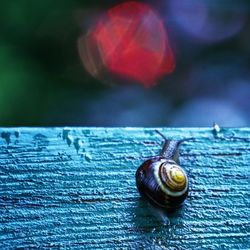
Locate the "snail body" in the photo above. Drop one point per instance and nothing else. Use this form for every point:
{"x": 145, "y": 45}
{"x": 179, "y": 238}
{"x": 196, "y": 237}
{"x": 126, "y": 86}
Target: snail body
{"x": 161, "y": 179}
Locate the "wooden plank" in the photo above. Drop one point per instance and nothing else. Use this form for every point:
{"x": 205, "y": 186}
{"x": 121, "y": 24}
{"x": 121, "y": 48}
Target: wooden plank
{"x": 75, "y": 188}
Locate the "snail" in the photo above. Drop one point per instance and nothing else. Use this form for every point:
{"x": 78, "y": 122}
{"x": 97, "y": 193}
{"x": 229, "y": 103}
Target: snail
{"x": 161, "y": 179}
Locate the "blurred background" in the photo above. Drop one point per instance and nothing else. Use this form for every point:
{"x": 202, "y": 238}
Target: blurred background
{"x": 43, "y": 81}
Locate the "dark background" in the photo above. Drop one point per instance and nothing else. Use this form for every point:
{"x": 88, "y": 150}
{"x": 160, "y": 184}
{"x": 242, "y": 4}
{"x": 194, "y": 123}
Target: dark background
{"x": 43, "y": 82}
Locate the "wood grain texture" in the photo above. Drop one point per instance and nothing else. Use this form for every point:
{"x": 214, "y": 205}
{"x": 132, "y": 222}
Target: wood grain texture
{"x": 75, "y": 188}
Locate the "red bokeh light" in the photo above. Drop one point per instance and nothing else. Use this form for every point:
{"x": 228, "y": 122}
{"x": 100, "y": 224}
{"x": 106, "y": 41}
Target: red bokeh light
{"x": 129, "y": 41}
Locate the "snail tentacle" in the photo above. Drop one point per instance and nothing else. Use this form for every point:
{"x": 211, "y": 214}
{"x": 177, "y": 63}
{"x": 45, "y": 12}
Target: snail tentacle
{"x": 161, "y": 180}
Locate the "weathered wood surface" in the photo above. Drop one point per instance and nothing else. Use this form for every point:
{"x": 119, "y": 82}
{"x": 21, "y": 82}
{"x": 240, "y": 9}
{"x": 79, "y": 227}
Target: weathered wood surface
{"x": 75, "y": 188}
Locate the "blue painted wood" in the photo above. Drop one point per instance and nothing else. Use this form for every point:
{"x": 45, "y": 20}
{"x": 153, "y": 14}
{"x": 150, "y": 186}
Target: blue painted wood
{"x": 75, "y": 188}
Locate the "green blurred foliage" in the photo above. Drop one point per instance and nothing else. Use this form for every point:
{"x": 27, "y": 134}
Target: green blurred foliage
{"x": 38, "y": 58}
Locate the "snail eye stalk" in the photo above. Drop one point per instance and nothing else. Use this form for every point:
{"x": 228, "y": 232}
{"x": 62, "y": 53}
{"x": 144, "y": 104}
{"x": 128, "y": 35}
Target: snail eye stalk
{"x": 161, "y": 180}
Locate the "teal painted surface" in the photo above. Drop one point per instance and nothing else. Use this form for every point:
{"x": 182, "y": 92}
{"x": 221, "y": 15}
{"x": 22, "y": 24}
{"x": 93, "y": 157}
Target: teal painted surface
{"x": 75, "y": 188}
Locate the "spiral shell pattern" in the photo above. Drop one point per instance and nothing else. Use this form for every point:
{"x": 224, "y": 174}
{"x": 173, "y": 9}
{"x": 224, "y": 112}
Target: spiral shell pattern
{"x": 163, "y": 182}
{"x": 171, "y": 178}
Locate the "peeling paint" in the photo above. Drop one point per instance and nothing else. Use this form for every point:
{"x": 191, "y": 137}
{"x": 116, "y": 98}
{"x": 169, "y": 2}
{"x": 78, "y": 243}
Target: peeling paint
{"x": 6, "y": 136}
{"x": 52, "y": 197}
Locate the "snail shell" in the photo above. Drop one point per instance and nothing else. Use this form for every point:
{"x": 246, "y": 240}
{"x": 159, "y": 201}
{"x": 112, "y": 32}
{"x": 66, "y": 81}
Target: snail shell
{"x": 161, "y": 180}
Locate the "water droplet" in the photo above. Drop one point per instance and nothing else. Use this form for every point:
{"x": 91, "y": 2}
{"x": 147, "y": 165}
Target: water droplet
{"x": 6, "y": 136}
{"x": 77, "y": 143}
{"x": 216, "y": 129}
{"x": 16, "y": 133}
{"x": 66, "y": 136}
{"x": 88, "y": 157}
